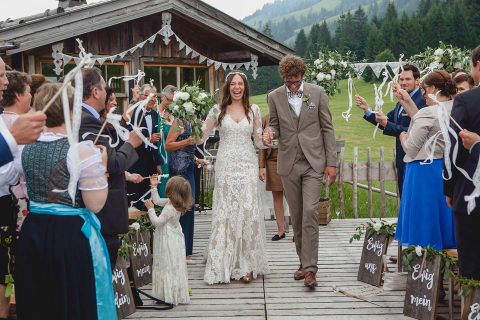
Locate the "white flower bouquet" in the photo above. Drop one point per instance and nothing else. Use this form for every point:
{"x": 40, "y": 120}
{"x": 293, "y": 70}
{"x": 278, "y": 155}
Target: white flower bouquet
{"x": 445, "y": 57}
{"x": 328, "y": 69}
{"x": 191, "y": 105}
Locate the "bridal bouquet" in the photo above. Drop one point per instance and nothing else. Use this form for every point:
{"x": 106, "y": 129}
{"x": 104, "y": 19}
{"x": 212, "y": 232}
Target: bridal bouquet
{"x": 444, "y": 57}
{"x": 191, "y": 105}
{"x": 328, "y": 69}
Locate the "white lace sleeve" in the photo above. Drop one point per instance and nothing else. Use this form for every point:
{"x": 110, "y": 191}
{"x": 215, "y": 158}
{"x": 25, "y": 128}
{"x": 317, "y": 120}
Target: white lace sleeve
{"x": 156, "y": 198}
{"x": 210, "y": 123}
{"x": 92, "y": 171}
{"x": 167, "y": 213}
{"x": 257, "y": 127}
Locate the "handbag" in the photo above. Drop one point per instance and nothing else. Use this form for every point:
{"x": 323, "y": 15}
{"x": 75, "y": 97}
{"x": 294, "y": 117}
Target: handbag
{"x": 324, "y": 207}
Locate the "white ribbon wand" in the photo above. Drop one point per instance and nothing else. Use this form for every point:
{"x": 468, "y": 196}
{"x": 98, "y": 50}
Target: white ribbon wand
{"x": 137, "y": 78}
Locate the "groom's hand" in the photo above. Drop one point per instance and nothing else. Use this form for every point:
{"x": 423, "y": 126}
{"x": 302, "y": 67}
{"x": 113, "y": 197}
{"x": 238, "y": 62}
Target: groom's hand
{"x": 267, "y": 137}
{"x": 330, "y": 173}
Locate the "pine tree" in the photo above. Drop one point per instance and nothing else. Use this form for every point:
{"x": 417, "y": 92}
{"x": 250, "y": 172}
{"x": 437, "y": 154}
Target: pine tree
{"x": 390, "y": 29}
{"x": 324, "y": 39}
{"x": 267, "y": 30}
{"x": 374, "y": 43}
{"x": 312, "y": 44}
{"x": 301, "y": 44}
{"x": 359, "y": 25}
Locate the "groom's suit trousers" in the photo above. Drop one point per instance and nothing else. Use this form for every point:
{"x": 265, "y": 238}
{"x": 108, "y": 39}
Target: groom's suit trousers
{"x": 304, "y": 184}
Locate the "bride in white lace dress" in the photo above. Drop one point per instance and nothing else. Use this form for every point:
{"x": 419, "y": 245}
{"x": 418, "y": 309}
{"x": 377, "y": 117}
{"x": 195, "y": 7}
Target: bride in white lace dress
{"x": 236, "y": 248}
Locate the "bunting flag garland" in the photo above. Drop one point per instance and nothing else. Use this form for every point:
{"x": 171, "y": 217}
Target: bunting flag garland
{"x": 166, "y": 32}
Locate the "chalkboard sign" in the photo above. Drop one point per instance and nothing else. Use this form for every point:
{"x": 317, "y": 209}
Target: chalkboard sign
{"x": 122, "y": 290}
{"x": 141, "y": 258}
{"x": 422, "y": 288}
{"x": 371, "y": 263}
{"x": 471, "y": 307}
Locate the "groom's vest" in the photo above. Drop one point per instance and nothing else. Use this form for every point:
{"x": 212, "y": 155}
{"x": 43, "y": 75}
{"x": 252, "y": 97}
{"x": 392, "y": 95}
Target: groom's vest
{"x": 300, "y": 155}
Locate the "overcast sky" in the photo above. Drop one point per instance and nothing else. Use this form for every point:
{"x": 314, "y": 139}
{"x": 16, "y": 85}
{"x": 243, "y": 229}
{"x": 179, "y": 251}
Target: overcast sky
{"x": 21, "y": 8}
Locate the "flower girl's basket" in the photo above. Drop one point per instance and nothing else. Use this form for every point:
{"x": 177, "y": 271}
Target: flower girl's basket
{"x": 324, "y": 207}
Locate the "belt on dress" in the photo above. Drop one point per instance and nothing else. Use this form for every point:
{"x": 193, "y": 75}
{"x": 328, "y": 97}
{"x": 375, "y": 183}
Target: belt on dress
{"x": 101, "y": 263}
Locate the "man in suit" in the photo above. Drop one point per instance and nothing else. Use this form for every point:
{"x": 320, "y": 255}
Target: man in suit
{"x": 149, "y": 161}
{"x": 114, "y": 215}
{"x": 300, "y": 119}
{"x": 466, "y": 113}
{"x": 396, "y": 121}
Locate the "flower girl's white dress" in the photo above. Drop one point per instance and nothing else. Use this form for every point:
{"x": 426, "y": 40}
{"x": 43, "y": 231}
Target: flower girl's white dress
{"x": 170, "y": 278}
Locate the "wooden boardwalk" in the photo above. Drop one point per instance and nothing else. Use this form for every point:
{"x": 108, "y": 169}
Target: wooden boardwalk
{"x": 277, "y": 295}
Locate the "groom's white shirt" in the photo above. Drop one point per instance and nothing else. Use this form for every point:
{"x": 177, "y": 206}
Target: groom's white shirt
{"x": 295, "y": 102}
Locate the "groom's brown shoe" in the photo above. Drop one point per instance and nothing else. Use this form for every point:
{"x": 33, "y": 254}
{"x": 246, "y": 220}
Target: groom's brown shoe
{"x": 310, "y": 280}
{"x": 299, "y": 274}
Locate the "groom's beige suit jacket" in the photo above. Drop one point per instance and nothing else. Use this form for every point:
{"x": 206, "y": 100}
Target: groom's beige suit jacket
{"x": 313, "y": 133}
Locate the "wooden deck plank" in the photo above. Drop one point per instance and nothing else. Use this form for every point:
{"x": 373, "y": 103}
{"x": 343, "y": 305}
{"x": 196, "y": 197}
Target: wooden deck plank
{"x": 277, "y": 295}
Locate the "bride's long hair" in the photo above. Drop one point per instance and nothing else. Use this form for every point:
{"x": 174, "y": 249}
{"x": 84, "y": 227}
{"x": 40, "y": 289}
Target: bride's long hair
{"x": 226, "y": 98}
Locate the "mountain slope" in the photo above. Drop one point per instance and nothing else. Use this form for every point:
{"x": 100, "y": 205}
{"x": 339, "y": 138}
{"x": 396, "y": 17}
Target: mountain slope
{"x": 286, "y": 18}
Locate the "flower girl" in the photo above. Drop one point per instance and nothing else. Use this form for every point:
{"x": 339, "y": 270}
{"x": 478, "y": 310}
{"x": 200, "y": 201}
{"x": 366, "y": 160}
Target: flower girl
{"x": 170, "y": 279}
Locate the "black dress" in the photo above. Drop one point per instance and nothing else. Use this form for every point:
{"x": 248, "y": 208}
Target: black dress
{"x": 54, "y": 268}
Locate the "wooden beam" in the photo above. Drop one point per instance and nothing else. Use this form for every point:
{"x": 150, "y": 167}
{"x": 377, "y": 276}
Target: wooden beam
{"x": 239, "y": 55}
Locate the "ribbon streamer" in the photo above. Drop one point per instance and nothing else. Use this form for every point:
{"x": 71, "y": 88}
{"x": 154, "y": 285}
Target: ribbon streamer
{"x": 347, "y": 114}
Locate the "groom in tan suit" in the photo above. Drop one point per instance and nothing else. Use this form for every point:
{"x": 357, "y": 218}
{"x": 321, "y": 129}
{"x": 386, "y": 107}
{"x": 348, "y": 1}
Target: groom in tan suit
{"x": 300, "y": 119}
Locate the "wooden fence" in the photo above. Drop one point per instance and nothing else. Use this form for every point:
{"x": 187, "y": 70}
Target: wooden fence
{"x": 354, "y": 172}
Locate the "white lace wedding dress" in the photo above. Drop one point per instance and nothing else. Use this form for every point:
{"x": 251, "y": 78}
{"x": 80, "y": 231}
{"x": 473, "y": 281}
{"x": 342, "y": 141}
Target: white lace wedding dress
{"x": 237, "y": 242}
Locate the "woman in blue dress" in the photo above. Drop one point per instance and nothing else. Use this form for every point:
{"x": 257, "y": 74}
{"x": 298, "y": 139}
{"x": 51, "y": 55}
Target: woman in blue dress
{"x": 181, "y": 147}
{"x": 424, "y": 217}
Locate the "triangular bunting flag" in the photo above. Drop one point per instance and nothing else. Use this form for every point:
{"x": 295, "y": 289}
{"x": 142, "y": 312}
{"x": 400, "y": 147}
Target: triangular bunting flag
{"x": 177, "y": 38}
{"x": 141, "y": 44}
{"x": 195, "y": 54}
{"x": 101, "y": 61}
{"x": 152, "y": 38}
{"x": 247, "y": 65}
{"x": 132, "y": 50}
{"x": 122, "y": 54}
{"x": 181, "y": 45}
{"x": 224, "y": 66}
{"x": 209, "y": 62}
{"x": 188, "y": 50}
{"x": 201, "y": 59}
{"x": 377, "y": 68}
{"x": 66, "y": 58}
{"x": 238, "y": 65}
{"x": 231, "y": 66}
{"x": 112, "y": 58}
{"x": 77, "y": 60}
{"x": 217, "y": 65}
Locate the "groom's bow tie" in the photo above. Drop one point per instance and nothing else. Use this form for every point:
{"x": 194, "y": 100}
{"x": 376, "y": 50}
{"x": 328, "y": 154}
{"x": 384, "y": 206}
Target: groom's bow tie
{"x": 298, "y": 93}
{"x": 148, "y": 113}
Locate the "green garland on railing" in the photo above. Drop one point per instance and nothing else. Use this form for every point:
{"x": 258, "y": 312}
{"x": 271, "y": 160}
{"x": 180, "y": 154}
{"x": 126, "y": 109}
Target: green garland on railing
{"x": 380, "y": 227}
{"x": 466, "y": 285}
{"x": 447, "y": 265}
{"x": 142, "y": 223}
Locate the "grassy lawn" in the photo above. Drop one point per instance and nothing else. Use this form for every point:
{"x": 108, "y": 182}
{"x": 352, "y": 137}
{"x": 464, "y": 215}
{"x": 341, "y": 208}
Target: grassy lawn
{"x": 356, "y": 132}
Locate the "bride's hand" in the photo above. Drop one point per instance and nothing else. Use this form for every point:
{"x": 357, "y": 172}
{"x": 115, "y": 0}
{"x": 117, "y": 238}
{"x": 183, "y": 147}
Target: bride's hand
{"x": 262, "y": 173}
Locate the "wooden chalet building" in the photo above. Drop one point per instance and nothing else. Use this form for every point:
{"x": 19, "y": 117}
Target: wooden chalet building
{"x": 172, "y": 41}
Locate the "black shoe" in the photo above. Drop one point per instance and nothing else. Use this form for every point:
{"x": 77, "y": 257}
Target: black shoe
{"x": 277, "y": 237}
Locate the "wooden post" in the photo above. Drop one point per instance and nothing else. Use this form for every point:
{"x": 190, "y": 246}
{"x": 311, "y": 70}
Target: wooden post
{"x": 340, "y": 184}
{"x": 382, "y": 181}
{"x": 355, "y": 181}
{"x": 369, "y": 182}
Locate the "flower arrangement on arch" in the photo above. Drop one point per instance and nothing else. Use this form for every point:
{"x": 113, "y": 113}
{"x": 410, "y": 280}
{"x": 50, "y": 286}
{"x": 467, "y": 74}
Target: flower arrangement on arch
{"x": 381, "y": 227}
{"x": 191, "y": 105}
{"x": 329, "y": 69}
{"x": 444, "y": 57}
